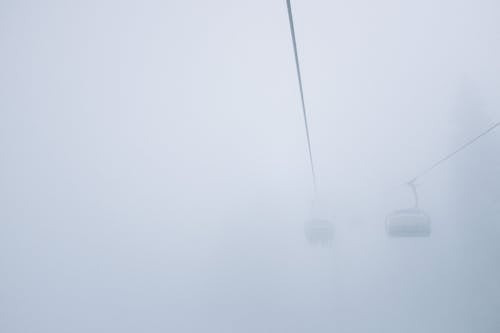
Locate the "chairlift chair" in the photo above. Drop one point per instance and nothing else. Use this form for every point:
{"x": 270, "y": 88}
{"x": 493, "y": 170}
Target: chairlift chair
{"x": 410, "y": 222}
{"x": 319, "y": 231}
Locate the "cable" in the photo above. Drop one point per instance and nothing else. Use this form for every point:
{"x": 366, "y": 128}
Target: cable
{"x": 450, "y": 155}
{"x": 299, "y": 76}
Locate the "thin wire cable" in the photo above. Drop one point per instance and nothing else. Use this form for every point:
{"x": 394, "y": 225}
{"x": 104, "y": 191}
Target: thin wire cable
{"x": 450, "y": 155}
{"x": 299, "y": 76}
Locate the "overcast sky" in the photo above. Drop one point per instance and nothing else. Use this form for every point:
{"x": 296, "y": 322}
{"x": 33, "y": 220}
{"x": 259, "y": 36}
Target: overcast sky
{"x": 154, "y": 173}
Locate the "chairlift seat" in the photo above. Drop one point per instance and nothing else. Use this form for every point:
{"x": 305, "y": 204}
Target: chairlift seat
{"x": 412, "y": 222}
{"x": 319, "y": 231}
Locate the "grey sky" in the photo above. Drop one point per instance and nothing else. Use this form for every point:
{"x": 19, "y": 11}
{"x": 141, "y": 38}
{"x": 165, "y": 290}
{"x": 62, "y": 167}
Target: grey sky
{"x": 154, "y": 174}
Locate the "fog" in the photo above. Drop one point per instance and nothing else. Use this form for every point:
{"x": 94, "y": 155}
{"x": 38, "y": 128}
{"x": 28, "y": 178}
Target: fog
{"x": 154, "y": 174}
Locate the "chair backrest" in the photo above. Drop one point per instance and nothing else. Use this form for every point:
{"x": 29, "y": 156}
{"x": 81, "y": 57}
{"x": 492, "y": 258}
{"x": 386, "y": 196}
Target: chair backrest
{"x": 411, "y": 222}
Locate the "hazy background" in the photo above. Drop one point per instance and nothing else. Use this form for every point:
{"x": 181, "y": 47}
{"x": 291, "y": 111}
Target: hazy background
{"x": 154, "y": 174}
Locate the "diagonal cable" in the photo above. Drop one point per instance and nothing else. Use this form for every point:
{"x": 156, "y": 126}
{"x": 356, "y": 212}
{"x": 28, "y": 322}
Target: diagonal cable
{"x": 453, "y": 153}
{"x": 299, "y": 76}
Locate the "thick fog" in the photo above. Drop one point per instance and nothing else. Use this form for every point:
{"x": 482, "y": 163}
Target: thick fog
{"x": 154, "y": 174}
